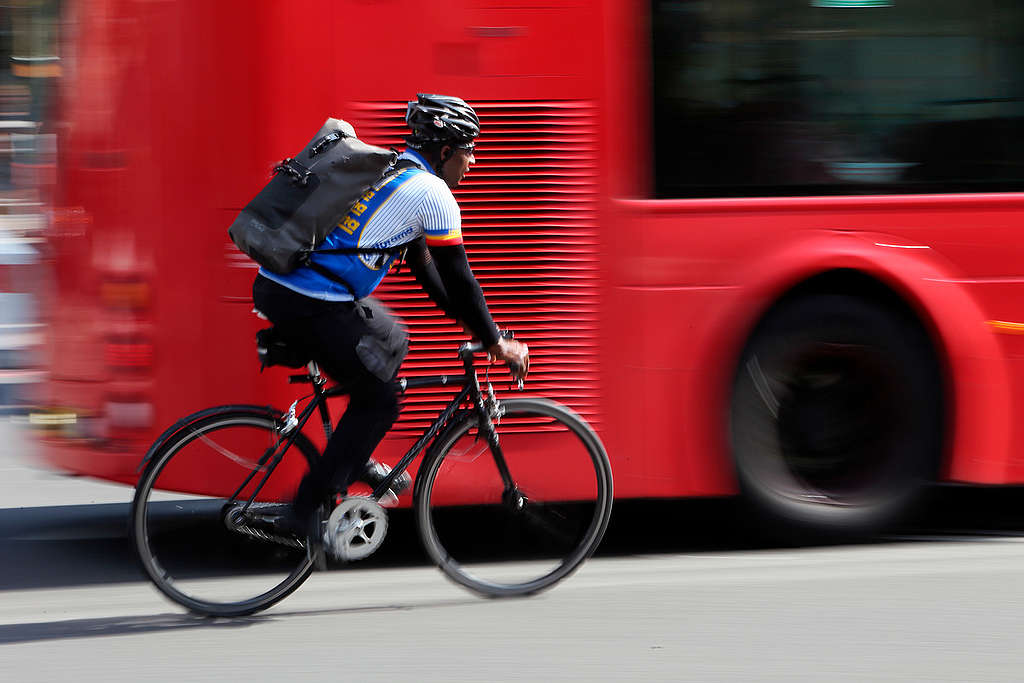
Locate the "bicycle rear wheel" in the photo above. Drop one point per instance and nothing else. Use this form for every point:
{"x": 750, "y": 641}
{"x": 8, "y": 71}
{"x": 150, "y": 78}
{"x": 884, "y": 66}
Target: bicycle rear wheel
{"x": 192, "y": 532}
{"x": 501, "y": 540}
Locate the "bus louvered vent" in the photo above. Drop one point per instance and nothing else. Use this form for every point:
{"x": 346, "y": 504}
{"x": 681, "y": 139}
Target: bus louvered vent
{"x": 529, "y": 224}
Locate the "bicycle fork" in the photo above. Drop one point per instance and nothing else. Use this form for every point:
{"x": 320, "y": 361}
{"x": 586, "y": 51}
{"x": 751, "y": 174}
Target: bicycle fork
{"x": 490, "y": 415}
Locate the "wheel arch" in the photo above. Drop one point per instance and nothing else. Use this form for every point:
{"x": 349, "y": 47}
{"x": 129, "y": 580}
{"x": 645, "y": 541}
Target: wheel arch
{"x": 916, "y": 283}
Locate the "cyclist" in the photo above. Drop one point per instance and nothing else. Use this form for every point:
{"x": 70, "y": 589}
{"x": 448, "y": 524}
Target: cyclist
{"x": 325, "y": 310}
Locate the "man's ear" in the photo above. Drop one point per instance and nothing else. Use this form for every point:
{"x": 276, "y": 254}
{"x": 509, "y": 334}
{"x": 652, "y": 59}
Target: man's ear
{"x": 446, "y": 153}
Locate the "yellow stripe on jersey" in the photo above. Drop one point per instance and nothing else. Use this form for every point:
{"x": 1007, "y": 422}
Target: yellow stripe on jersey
{"x": 454, "y": 237}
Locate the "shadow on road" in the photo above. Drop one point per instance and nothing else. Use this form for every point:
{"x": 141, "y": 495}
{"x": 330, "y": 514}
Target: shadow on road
{"x": 111, "y": 626}
{"x": 120, "y": 626}
{"x": 81, "y": 545}
{"x": 68, "y": 545}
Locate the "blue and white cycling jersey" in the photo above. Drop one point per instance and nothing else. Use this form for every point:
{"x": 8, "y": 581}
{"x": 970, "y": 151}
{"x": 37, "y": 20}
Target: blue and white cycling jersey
{"x": 396, "y": 211}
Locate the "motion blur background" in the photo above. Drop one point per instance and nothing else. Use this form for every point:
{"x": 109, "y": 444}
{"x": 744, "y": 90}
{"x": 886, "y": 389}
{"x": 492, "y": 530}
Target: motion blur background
{"x": 29, "y": 33}
{"x": 654, "y": 189}
{"x": 661, "y": 187}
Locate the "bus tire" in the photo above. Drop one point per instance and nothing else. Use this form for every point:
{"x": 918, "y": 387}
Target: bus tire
{"x": 836, "y": 416}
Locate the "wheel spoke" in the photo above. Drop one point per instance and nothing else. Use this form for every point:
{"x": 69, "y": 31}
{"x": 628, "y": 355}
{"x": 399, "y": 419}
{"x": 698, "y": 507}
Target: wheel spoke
{"x": 232, "y": 456}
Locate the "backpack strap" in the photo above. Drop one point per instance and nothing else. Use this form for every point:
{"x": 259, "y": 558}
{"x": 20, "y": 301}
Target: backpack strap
{"x": 329, "y": 275}
{"x": 305, "y": 260}
{"x": 402, "y": 164}
{"x": 305, "y": 254}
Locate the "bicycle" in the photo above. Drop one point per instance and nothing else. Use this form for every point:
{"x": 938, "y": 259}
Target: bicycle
{"x": 206, "y": 506}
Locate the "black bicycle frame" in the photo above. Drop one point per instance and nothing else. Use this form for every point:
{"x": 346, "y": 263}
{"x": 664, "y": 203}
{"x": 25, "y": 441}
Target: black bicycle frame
{"x": 470, "y": 388}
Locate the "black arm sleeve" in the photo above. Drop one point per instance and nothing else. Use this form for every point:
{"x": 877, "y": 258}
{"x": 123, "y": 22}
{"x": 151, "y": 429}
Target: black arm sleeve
{"x": 464, "y": 293}
{"x": 422, "y": 266}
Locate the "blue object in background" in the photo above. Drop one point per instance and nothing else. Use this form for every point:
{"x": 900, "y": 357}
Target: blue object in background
{"x": 19, "y": 327}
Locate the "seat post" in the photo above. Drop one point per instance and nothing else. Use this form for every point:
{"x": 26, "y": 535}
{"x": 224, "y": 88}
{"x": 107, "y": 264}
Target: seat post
{"x": 318, "y": 388}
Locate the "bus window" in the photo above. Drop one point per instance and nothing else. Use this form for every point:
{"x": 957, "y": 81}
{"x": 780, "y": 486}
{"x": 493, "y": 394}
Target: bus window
{"x": 815, "y": 97}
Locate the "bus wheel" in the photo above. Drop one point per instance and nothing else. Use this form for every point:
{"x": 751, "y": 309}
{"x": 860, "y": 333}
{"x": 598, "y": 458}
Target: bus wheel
{"x": 836, "y": 416}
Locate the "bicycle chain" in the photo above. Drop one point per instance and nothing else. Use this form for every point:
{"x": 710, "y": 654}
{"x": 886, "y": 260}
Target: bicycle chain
{"x": 262, "y": 535}
{"x": 273, "y": 538}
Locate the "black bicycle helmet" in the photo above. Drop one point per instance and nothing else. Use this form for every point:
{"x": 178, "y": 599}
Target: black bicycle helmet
{"x": 441, "y": 119}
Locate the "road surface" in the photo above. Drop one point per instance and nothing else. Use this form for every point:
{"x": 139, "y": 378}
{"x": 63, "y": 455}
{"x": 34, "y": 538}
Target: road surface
{"x": 691, "y": 601}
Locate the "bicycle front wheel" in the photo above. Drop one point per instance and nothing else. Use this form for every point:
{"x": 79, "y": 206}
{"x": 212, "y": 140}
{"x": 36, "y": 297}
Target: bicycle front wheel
{"x": 206, "y": 508}
{"x": 515, "y": 519}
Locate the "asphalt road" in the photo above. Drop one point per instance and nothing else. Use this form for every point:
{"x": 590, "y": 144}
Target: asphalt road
{"x": 679, "y": 592}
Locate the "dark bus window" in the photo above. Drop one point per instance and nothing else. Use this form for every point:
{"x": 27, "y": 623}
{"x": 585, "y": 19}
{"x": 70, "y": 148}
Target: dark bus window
{"x": 813, "y": 97}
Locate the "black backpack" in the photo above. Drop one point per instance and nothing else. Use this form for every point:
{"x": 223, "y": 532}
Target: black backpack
{"x": 307, "y": 197}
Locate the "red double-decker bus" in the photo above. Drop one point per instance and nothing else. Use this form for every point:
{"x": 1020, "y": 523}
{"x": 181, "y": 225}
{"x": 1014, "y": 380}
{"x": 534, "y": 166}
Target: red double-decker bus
{"x": 764, "y": 246}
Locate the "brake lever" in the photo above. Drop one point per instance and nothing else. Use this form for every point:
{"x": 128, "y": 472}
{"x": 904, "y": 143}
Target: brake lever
{"x": 513, "y": 367}
{"x": 517, "y": 380}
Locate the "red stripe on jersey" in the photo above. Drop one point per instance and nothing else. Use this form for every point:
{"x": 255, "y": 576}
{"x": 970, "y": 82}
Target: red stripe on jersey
{"x": 444, "y": 240}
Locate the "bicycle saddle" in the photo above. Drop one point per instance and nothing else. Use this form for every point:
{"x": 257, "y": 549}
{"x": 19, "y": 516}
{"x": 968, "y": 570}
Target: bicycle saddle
{"x": 272, "y": 350}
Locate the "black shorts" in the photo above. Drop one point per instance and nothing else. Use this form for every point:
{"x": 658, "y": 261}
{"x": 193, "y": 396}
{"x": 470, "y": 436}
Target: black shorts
{"x": 351, "y": 341}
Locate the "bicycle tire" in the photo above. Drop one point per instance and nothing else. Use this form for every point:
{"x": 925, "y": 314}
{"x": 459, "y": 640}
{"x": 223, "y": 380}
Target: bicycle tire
{"x": 583, "y": 501}
{"x": 151, "y": 527}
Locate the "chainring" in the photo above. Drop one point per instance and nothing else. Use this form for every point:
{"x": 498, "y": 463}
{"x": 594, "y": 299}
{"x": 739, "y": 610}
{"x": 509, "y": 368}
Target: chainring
{"x": 355, "y": 529}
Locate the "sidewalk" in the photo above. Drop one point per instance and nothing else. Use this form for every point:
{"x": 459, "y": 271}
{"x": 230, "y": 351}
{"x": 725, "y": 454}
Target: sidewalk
{"x": 25, "y": 483}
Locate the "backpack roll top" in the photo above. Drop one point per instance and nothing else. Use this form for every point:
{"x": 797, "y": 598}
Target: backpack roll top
{"x": 307, "y": 196}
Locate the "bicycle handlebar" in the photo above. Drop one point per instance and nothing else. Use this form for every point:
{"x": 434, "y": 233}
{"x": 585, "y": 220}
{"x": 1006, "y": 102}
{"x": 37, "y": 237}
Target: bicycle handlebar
{"x": 472, "y": 348}
{"x": 469, "y": 349}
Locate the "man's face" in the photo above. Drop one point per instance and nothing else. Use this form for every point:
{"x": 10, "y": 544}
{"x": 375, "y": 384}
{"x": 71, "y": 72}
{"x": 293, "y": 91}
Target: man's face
{"x": 455, "y": 169}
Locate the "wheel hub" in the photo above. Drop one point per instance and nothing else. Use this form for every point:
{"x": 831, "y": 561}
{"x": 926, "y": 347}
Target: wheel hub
{"x": 835, "y": 417}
